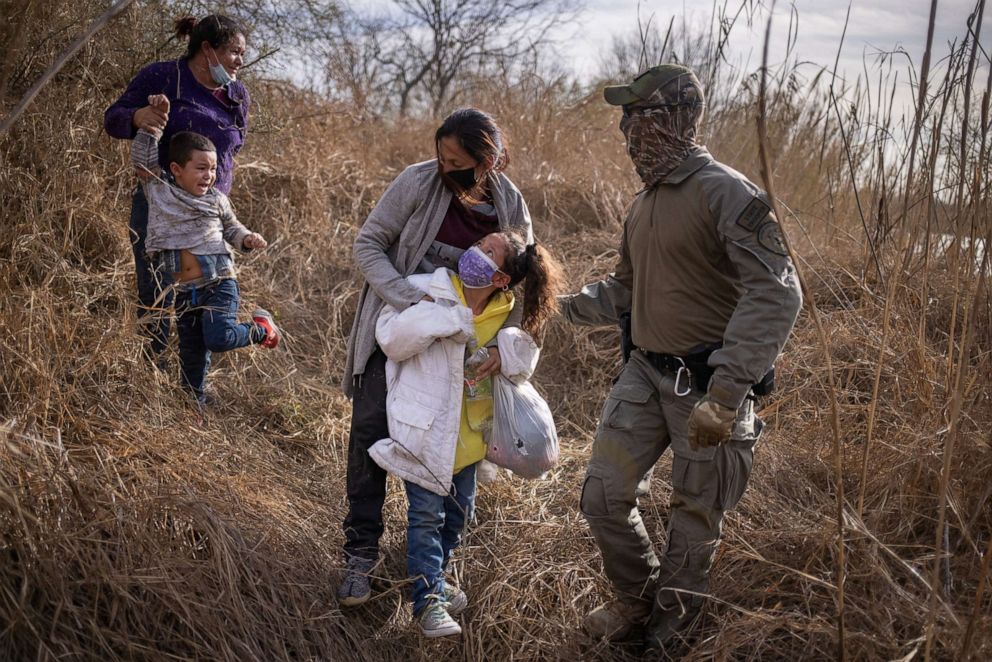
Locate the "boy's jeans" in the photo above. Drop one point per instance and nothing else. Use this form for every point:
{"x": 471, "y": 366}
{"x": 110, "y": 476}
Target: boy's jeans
{"x": 434, "y": 529}
{"x": 154, "y": 316}
{"x": 207, "y": 324}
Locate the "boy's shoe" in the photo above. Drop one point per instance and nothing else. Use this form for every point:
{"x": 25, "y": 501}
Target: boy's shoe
{"x": 263, "y": 318}
{"x": 435, "y": 621}
{"x": 355, "y": 588}
{"x": 617, "y": 620}
{"x": 455, "y": 600}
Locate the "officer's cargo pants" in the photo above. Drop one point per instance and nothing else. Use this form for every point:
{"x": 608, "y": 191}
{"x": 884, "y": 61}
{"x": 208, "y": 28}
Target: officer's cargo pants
{"x": 642, "y": 417}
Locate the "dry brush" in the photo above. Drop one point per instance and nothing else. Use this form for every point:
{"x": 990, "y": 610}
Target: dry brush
{"x": 129, "y": 529}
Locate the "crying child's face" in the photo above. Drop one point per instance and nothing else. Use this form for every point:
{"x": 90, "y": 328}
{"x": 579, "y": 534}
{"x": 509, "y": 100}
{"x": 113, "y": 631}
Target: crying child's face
{"x": 198, "y": 174}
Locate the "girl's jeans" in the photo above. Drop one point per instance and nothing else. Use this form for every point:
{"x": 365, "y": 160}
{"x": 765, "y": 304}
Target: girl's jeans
{"x": 435, "y": 528}
{"x": 207, "y": 323}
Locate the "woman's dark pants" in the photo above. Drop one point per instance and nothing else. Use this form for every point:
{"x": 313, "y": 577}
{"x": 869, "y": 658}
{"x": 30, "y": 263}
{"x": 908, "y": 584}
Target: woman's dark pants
{"x": 154, "y": 287}
{"x": 366, "y": 479}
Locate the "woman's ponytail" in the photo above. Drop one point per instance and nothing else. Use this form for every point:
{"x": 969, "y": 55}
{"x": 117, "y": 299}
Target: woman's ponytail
{"x": 184, "y": 26}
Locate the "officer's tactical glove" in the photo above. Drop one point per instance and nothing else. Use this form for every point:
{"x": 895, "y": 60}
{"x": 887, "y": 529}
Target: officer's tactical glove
{"x": 710, "y": 424}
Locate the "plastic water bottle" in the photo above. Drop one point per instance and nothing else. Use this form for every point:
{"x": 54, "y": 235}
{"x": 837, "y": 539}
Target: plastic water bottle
{"x": 475, "y": 388}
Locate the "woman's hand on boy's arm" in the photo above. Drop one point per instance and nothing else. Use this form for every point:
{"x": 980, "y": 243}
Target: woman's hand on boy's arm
{"x": 151, "y": 120}
{"x": 253, "y": 241}
{"x": 154, "y": 116}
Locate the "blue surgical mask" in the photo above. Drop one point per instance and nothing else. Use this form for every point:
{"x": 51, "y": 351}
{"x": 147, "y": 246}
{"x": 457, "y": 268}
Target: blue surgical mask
{"x": 476, "y": 269}
{"x": 220, "y": 75}
{"x": 217, "y": 71}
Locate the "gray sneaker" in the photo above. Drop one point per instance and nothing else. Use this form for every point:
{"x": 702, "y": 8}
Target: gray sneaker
{"x": 355, "y": 588}
{"x": 435, "y": 621}
{"x": 455, "y": 600}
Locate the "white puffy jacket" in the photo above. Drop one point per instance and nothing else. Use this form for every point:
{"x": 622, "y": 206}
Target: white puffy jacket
{"x": 425, "y": 348}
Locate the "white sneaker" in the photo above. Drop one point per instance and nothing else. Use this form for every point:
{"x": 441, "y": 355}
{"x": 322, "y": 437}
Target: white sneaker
{"x": 435, "y": 621}
{"x": 455, "y": 600}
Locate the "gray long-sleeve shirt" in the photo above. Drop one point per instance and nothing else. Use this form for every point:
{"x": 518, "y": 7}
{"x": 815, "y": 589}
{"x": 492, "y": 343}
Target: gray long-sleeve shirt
{"x": 178, "y": 220}
{"x": 701, "y": 263}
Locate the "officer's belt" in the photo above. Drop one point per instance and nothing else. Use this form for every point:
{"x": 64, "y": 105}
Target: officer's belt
{"x": 699, "y": 369}
{"x": 693, "y": 362}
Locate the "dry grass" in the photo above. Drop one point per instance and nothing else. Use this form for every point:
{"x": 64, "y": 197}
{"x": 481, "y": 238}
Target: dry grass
{"x": 129, "y": 531}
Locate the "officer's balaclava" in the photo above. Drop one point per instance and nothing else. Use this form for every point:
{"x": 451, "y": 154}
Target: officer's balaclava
{"x": 662, "y": 126}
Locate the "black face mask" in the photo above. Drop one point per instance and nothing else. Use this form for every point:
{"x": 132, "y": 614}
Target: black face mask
{"x": 464, "y": 178}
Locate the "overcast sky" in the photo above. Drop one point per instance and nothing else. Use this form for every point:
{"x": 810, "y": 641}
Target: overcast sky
{"x": 875, "y": 25}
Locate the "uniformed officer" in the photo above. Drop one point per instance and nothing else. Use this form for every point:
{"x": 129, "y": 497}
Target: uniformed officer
{"x": 713, "y": 296}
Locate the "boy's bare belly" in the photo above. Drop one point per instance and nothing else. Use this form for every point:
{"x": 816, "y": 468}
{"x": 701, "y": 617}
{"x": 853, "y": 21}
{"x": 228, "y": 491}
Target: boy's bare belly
{"x": 189, "y": 267}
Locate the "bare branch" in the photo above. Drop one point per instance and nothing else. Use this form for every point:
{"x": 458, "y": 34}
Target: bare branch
{"x": 74, "y": 47}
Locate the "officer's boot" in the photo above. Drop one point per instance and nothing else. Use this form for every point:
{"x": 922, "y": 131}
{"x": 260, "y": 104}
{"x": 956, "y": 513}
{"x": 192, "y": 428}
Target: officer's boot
{"x": 618, "y": 619}
{"x": 670, "y": 625}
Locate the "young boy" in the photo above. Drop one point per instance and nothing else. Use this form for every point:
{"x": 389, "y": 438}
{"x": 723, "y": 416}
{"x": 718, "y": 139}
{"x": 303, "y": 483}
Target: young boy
{"x": 190, "y": 225}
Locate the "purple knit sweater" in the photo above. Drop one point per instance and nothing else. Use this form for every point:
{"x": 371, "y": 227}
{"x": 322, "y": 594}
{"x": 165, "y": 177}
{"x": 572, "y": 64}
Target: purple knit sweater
{"x": 193, "y": 108}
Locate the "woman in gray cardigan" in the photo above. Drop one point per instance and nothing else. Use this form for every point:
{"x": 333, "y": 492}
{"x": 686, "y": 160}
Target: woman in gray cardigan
{"x": 431, "y": 213}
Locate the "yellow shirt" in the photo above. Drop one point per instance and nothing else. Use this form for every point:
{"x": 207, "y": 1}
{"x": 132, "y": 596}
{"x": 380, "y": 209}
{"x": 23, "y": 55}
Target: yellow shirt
{"x": 471, "y": 446}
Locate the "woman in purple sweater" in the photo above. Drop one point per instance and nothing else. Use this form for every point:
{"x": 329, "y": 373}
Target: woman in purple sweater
{"x": 205, "y": 98}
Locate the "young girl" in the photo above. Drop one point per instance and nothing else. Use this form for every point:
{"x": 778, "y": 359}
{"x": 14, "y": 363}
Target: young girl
{"x": 435, "y": 431}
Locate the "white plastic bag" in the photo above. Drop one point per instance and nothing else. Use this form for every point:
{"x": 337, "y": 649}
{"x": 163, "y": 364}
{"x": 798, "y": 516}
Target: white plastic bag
{"x": 518, "y": 354}
{"x": 523, "y": 437}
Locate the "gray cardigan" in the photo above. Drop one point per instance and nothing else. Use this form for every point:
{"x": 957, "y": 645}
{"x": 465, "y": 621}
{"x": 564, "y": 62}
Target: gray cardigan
{"x": 396, "y": 237}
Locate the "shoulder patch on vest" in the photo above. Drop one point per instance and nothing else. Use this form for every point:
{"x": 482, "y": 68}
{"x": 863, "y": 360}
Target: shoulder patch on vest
{"x": 752, "y": 216}
{"x": 770, "y": 238}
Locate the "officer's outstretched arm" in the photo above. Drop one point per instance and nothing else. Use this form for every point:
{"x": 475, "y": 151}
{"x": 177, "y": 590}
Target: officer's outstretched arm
{"x": 597, "y": 304}
{"x": 602, "y": 303}
{"x": 766, "y": 311}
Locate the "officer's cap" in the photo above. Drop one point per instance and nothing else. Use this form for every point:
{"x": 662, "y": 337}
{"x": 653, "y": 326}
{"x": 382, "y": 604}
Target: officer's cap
{"x": 664, "y": 84}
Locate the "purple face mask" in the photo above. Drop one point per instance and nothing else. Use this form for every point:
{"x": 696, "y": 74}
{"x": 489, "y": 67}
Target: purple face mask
{"x": 476, "y": 269}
